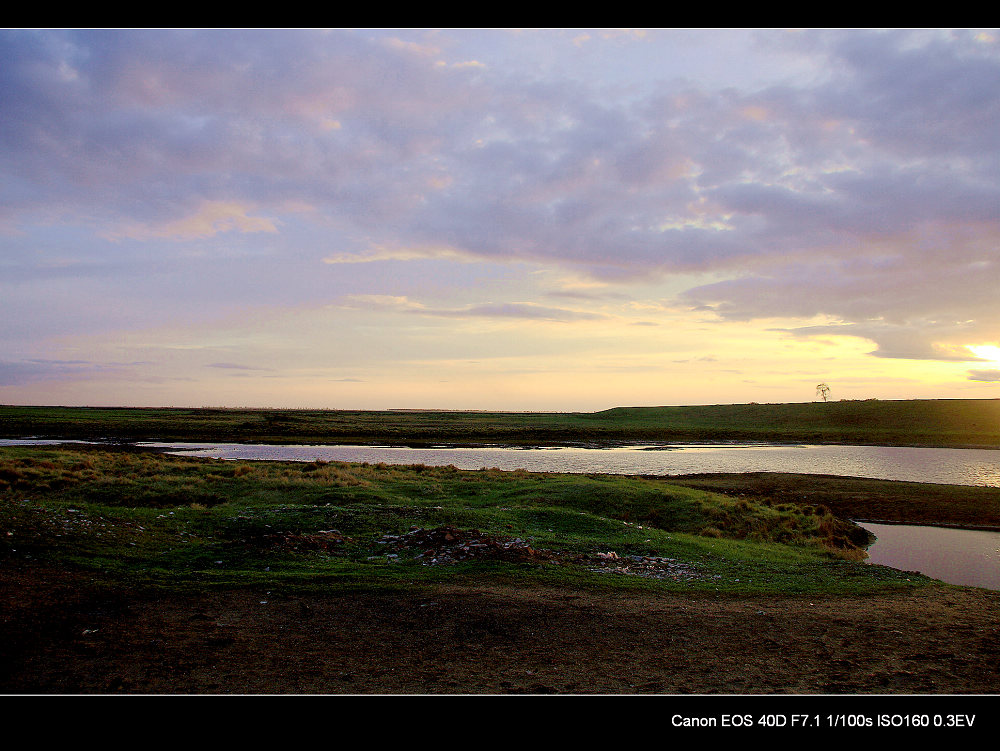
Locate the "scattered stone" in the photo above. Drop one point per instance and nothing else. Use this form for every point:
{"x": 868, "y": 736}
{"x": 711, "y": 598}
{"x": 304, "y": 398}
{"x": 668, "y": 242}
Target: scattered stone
{"x": 646, "y": 566}
{"x": 329, "y": 540}
{"x": 449, "y": 545}
{"x": 445, "y": 545}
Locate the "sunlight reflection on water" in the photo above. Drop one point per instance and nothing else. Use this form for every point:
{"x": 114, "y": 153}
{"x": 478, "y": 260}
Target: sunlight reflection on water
{"x": 949, "y": 466}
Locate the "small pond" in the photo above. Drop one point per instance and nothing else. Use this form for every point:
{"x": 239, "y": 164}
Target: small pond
{"x": 956, "y": 556}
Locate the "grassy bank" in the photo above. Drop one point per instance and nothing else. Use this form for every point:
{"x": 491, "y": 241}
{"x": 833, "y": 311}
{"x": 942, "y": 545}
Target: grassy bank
{"x": 129, "y": 571}
{"x": 956, "y": 422}
{"x": 862, "y": 499}
{"x": 154, "y": 520}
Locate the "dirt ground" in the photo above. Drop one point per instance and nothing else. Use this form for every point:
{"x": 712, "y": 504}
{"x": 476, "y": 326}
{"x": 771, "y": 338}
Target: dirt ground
{"x": 58, "y": 635}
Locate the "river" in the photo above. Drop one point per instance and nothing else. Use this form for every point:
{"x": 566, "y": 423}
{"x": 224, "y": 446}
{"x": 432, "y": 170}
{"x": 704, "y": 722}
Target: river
{"x": 948, "y": 466}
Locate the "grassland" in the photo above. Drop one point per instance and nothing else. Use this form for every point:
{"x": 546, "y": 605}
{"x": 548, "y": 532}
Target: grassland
{"x": 125, "y": 570}
{"x": 166, "y": 520}
{"x": 914, "y": 422}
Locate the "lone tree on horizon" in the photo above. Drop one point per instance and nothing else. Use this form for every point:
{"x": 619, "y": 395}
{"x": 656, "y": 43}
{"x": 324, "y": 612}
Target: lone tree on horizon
{"x": 823, "y": 390}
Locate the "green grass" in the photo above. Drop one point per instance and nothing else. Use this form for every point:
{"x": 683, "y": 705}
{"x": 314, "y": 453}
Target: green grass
{"x": 932, "y": 422}
{"x": 185, "y": 522}
{"x": 860, "y": 498}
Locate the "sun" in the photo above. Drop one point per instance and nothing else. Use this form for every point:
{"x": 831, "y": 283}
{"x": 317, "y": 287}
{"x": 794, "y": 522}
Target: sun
{"x": 988, "y": 352}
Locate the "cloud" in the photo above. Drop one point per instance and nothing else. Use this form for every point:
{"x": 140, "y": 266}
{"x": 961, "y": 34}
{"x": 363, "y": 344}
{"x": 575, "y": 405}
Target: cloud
{"x": 933, "y": 287}
{"x": 17, "y": 373}
{"x": 233, "y": 366}
{"x": 863, "y": 190}
{"x": 522, "y": 310}
{"x": 374, "y": 254}
{"x": 211, "y": 218}
{"x": 989, "y": 376}
{"x": 908, "y": 341}
{"x": 515, "y": 310}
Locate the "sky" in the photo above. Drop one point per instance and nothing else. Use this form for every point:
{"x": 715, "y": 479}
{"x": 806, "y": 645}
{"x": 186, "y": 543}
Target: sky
{"x": 498, "y": 219}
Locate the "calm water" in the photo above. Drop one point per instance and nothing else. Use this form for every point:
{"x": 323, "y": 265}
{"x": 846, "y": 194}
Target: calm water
{"x": 949, "y": 466}
{"x": 957, "y": 556}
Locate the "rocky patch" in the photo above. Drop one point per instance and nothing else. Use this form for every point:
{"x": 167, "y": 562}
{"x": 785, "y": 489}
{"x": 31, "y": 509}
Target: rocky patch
{"x": 449, "y": 545}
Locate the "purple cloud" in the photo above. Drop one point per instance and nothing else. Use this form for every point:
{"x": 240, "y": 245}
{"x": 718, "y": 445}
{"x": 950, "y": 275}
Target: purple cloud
{"x": 989, "y": 376}
{"x": 867, "y": 194}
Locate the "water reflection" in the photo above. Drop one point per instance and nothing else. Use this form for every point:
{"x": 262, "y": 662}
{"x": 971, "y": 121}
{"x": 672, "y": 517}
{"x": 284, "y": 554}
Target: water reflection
{"x": 949, "y": 466}
{"x": 957, "y": 556}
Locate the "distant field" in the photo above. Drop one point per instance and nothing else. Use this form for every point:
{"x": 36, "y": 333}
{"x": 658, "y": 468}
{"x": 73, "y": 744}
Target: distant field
{"x": 945, "y": 422}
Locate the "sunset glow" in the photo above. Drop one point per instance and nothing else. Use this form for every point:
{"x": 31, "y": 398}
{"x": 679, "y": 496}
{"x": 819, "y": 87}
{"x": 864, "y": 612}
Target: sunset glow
{"x": 561, "y": 219}
{"x": 987, "y": 352}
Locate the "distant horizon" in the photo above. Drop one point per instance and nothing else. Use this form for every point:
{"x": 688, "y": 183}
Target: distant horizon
{"x": 498, "y": 411}
{"x": 527, "y": 220}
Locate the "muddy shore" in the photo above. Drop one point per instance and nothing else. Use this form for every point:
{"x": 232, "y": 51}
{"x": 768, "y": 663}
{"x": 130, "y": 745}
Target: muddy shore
{"x": 62, "y": 635}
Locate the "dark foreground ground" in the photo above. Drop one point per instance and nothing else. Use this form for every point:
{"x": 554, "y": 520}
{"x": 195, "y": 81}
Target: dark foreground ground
{"x": 60, "y": 635}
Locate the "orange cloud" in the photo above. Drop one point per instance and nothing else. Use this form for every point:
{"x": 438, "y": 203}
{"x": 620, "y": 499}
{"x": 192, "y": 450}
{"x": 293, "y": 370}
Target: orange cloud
{"x": 212, "y": 218}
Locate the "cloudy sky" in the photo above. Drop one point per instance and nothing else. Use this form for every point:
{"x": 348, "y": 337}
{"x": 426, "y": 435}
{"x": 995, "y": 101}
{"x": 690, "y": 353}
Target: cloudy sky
{"x": 560, "y": 219}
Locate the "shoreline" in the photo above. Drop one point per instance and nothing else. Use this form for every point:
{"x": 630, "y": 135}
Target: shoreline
{"x": 727, "y": 483}
{"x": 943, "y": 423}
{"x": 104, "y": 630}
{"x": 597, "y": 444}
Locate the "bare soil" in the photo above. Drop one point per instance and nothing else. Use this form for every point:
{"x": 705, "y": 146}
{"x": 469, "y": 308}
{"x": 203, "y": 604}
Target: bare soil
{"x": 62, "y": 634}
